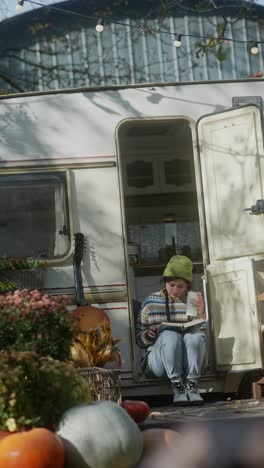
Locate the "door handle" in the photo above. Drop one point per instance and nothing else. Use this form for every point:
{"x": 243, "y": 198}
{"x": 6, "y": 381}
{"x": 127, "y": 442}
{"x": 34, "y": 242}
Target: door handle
{"x": 64, "y": 231}
{"x": 256, "y": 209}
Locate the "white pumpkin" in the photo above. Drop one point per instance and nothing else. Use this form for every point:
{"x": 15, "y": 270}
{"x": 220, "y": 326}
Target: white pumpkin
{"x": 100, "y": 435}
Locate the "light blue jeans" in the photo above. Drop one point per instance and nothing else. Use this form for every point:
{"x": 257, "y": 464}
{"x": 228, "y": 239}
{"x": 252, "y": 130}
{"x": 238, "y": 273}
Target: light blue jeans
{"x": 177, "y": 355}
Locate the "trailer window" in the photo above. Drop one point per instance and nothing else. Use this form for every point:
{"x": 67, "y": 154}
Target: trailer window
{"x": 34, "y": 219}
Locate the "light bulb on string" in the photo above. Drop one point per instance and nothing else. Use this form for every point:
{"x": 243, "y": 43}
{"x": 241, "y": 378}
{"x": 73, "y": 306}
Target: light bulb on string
{"x": 254, "y": 48}
{"x": 20, "y": 5}
{"x": 100, "y": 25}
{"x": 177, "y": 41}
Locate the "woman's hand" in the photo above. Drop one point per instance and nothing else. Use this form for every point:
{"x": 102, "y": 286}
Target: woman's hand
{"x": 198, "y": 302}
{"x": 152, "y": 332}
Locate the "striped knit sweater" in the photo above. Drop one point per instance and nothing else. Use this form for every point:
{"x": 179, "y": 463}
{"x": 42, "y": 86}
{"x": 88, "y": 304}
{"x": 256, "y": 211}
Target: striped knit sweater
{"x": 153, "y": 312}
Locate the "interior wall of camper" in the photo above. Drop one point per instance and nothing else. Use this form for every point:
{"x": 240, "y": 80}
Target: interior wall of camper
{"x": 47, "y": 49}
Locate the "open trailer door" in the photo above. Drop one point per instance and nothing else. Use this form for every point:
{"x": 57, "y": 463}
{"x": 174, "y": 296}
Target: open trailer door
{"x": 232, "y": 172}
{"x": 235, "y": 321}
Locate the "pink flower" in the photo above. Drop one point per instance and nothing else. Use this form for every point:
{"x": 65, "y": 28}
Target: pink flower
{"x": 27, "y": 309}
{"x": 17, "y": 302}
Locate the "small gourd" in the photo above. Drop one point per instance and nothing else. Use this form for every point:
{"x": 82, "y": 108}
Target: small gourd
{"x": 100, "y": 435}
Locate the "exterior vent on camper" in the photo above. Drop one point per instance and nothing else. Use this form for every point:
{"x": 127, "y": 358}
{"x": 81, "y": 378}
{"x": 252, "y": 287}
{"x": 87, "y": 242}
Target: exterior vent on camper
{"x": 238, "y": 101}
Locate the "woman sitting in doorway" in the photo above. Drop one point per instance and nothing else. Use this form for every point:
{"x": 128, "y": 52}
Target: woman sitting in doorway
{"x": 177, "y": 355}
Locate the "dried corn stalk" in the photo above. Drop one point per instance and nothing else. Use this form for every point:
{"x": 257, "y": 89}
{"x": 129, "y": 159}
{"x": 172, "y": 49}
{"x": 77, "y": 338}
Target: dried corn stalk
{"x": 95, "y": 347}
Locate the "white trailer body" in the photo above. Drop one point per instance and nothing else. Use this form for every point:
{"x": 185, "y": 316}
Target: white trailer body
{"x": 99, "y": 161}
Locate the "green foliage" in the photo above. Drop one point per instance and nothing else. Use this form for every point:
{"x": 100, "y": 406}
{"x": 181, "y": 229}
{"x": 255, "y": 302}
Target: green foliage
{"x": 6, "y": 286}
{"x": 36, "y": 390}
{"x": 216, "y": 47}
{"x": 33, "y": 321}
{"x": 13, "y": 263}
{"x": 221, "y": 53}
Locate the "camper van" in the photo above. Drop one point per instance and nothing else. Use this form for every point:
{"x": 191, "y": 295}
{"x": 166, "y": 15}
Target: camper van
{"x": 144, "y": 172}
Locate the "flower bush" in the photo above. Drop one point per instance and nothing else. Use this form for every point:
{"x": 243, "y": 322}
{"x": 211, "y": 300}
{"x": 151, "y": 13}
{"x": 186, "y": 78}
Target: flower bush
{"x": 21, "y": 263}
{"x": 33, "y": 321}
{"x": 36, "y": 390}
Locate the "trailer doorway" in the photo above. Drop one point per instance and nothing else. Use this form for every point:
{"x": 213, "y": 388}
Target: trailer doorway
{"x": 160, "y": 204}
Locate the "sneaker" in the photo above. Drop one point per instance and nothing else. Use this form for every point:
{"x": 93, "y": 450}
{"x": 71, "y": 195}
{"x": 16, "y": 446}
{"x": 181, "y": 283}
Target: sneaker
{"x": 193, "y": 395}
{"x": 179, "y": 394}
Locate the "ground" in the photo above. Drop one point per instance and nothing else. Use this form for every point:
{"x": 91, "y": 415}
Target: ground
{"x": 168, "y": 416}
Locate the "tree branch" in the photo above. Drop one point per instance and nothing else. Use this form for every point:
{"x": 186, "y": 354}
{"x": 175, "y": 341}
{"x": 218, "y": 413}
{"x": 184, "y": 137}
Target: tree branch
{"x": 10, "y": 82}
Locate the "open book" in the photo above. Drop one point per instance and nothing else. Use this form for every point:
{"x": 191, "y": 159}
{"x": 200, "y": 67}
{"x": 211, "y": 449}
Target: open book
{"x": 178, "y": 326}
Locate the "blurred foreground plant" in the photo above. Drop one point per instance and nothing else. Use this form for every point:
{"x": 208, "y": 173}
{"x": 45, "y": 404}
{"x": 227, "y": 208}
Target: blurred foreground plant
{"x": 36, "y": 390}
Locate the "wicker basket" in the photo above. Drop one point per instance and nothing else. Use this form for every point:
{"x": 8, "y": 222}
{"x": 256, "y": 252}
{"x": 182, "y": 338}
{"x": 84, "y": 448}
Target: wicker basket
{"x": 104, "y": 384}
{"x": 24, "y": 279}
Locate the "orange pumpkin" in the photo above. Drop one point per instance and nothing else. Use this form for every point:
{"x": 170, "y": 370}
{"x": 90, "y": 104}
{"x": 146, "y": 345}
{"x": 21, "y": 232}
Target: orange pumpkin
{"x": 4, "y": 434}
{"x": 37, "y": 448}
{"x": 89, "y": 316}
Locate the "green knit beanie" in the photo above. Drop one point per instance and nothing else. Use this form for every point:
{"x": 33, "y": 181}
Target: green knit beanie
{"x": 179, "y": 266}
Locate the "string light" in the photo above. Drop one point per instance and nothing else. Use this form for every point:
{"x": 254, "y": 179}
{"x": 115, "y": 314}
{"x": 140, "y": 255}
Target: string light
{"x": 100, "y": 25}
{"x": 254, "y": 48}
{"x": 177, "y": 41}
{"x": 20, "y": 5}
